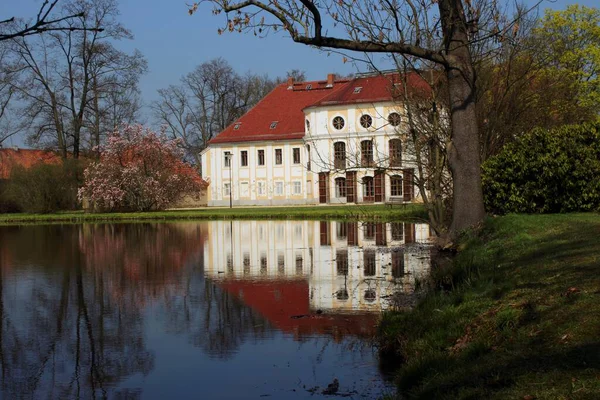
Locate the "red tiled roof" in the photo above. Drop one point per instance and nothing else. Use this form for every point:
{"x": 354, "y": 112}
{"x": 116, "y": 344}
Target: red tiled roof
{"x": 26, "y": 158}
{"x": 374, "y": 89}
{"x": 286, "y": 105}
{"x": 282, "y": 105}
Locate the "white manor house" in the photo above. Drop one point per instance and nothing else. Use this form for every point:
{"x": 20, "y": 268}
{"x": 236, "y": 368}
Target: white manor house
{"x": 333, "y": 141}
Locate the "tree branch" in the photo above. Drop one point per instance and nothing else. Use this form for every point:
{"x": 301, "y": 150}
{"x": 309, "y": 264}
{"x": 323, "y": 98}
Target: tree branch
{"x": 42, "y": 24}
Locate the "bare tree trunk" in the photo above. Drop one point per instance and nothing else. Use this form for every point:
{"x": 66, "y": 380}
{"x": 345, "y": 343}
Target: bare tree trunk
{"x": 96, "y": 106}
{"x": 463, "y": 153}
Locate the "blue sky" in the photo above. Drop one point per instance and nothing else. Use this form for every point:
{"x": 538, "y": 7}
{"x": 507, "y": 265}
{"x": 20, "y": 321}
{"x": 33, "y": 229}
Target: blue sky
{"x": 174, "y": 42}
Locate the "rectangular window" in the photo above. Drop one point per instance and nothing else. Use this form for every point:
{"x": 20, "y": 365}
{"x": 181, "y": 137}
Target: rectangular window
{"x": 366, "y": 150}
{"x": 279, "y": 188}
{"x": 280, "y": 263}
{"x": 278, "y": 157}
{"x": 341, "y": 260}
{"x": 397, "y": 231}
{"x": 296, "y": 155}
{"x": 226, "y": 189}
{"x": 229, "y": 263}
{"x": 227, "y": 159}
{"x": 369, "y": 262}
{"x": 298, "y": 231}
{"x": 244, "y": 192}
{"x": 396, "y": 186}
{"x": 246, "y": 263}
{"x": 339, "y": 155}
{"x": 261, "y": 188}
{"x": 297, "y": 187}
{"x": 341, "y": 230}
{"x": 261, "y": 157}
{"x": 369, "y": 230}
{"x": 263, "y": 263}
{"x": 244, "y": 156}
{"x": 299, "y": 263}
{"x": 395, "y": 152}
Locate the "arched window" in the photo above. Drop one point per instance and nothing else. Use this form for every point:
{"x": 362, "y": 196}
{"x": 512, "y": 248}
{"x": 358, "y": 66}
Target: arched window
{"x": 366, "y": 153}
{"x": 368, "y": 189}
{"x": 340, "y": 187}
{"x": 395, "y": 153}
{"x": 339, "y": 155}
{"x": 396, "y": 185}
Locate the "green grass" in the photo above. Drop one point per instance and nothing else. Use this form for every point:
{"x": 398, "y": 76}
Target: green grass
{"x": 344, "y": 212}
{"x": 515, "y": 314}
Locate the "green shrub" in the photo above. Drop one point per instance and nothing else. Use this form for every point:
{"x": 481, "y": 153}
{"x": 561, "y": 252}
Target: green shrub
{"x": 546, "y": 171}
{"x": 7, "y": 205}
{"x": 45, "y": 188}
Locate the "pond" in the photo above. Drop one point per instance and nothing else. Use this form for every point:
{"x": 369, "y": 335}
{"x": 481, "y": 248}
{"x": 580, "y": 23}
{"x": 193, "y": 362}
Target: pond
{"x": 220, "y": 309}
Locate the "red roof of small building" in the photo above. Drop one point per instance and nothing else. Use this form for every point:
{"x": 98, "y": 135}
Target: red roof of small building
{"x": 26, "y": 158}
{"x": 286, "y": 103}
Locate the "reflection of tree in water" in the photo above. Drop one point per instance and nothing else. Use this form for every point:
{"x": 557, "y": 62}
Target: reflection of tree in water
{"x": 214, "y": 319}
{"x": 72, "y": 300}
{"x": 141, "y": 262}
{"x": 62, "y": 335}
{"x": 165, "y": 263}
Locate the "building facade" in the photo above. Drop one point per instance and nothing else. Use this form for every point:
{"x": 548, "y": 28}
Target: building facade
{"x": 321, "y": 142}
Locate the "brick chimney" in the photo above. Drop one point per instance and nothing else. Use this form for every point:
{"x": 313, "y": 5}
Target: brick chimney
{"x": 290, "y": 83}
{"x": 330, "y": 79}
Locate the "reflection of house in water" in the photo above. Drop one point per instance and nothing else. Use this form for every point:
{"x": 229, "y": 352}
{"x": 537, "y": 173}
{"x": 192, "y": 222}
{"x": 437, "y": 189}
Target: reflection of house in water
{"x": 331, "y": 266}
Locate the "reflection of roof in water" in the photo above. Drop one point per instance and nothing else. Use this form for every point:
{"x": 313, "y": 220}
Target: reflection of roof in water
{"x": 286, "y": 304}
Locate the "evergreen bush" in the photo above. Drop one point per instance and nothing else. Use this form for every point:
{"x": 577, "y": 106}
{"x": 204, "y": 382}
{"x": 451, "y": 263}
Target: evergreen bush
{"x": 546, "y": 171}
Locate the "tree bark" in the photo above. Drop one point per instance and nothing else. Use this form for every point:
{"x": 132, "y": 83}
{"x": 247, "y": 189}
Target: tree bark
{"x": 463, "y": 153}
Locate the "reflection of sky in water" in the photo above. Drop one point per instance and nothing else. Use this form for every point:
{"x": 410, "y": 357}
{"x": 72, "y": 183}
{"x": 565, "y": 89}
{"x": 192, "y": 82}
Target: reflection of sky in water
{"x": 127, "y": 309}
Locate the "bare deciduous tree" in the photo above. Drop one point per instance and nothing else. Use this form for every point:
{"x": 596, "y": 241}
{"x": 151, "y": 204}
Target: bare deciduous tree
{"x": 206, "y": 101}
{"x": 65, "y": 76}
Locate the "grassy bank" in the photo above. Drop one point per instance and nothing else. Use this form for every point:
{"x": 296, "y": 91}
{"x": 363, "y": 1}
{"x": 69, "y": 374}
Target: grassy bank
{"x": 518, "y": 316}
{"x": 345, "y": 212}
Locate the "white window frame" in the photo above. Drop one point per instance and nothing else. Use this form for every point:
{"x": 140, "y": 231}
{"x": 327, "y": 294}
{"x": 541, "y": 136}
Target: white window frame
{"x": 279, "y": 188}
{"x": 297, "y": 188}
{"x": 226, "y": 189}
{"x": 244, "y": 189}
{"x": 261, "y": 188}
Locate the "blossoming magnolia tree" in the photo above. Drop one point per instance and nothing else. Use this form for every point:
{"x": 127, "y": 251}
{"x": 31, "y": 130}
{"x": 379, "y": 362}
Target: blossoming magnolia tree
{"x": 139, "y": 170}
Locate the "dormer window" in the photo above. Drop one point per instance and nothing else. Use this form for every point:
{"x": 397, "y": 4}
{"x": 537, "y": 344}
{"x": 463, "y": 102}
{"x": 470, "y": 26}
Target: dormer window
{"x": 357, "y": 89}
{"x": 273, "y": 124}
{"x": 308, "y": 87}
{"x": 307, "y": 125}
{"x": 237, "y": 126}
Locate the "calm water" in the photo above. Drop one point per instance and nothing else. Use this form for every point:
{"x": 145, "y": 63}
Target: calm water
{"x": 223, "y": 310}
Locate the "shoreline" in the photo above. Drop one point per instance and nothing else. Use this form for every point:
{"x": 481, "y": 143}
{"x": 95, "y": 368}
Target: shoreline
{"x": 412, "y": 212}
